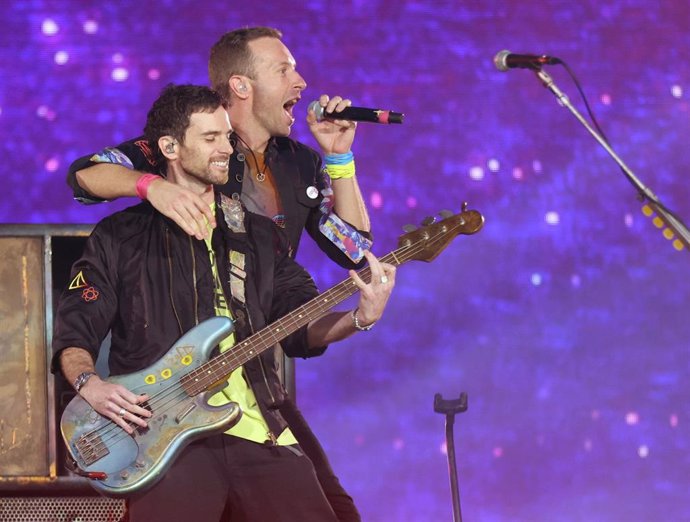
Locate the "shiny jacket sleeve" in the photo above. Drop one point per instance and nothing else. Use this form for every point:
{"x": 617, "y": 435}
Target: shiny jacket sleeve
{"x": 338, "y": 239}
{"x": 133, "y": 154}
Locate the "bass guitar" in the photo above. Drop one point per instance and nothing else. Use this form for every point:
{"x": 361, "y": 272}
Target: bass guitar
{"x": 180, "y": 383}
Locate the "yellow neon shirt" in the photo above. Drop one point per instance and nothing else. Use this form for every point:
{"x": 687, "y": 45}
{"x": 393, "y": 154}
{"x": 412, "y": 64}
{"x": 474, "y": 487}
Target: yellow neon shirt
{"x": 251, "y": 425}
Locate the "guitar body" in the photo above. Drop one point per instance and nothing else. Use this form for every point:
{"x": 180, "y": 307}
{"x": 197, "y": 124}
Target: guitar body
{"x": 135, "y": 462}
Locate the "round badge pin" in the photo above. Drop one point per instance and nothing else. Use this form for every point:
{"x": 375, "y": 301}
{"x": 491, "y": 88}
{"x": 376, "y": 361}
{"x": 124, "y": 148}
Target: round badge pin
{"x": 312, "y": 192}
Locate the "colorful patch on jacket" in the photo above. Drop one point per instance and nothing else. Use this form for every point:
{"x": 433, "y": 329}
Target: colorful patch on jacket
{"x": 90, "y": 294}
{"x": 279, "y": 219}
{"x": 233, "y": 213}
{"x": 237, "y": 275}
{"x": 346, "y": 237}
{"x": 79, "y": 281}
{"x": 112, "y": 155}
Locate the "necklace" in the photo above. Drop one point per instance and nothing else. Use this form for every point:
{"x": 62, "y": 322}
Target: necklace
{"x": 260, "y": 170}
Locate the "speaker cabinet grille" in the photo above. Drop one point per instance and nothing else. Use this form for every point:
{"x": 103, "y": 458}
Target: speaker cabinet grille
{"x": 61, "y": 509}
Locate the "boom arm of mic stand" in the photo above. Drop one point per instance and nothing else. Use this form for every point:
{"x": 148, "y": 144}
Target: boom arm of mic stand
{"x": 645, "y": 194}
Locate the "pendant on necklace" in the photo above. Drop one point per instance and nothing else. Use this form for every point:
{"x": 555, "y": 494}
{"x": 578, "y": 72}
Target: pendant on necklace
{"x": 260, "y": 176}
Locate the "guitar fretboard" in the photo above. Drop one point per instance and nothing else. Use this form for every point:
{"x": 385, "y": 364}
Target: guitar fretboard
{"x": 432, "y": 238}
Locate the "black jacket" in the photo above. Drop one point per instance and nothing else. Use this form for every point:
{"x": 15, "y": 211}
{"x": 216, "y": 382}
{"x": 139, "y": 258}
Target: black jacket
{"x": 148, "y": 282}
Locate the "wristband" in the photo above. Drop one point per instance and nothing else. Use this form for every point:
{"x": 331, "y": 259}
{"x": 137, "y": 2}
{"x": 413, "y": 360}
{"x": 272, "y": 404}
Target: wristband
{"x": 143, "y": 184}
{"x": 341, "y": 171}
{"x": 338, "y": 159}
{"x": 355, "y": 322}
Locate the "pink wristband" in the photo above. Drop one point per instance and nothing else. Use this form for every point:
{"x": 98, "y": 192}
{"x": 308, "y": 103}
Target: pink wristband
{"x": 143, "y": 184}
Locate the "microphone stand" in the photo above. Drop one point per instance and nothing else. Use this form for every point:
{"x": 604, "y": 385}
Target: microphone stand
{"x": 450, "y": 408}
{"x": 644, "y": 193}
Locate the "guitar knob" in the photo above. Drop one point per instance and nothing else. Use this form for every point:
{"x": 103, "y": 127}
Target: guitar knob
{"x": 409, "y": 228}
{"x": 429, "y": 220}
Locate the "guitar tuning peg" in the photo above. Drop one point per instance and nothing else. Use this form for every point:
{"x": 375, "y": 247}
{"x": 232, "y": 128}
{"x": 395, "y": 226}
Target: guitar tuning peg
{"x": 429, "y": 220}
{"x": 409, "y": 228}
{"x": 445, "y": 214}
{"x": 464, "y": 206}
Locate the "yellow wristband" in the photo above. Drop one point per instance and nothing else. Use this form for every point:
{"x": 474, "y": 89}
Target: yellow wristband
{"x": 341, "y": 171}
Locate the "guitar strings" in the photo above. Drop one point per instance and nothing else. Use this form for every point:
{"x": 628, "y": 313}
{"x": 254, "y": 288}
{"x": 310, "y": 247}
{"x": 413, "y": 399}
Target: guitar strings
{"x": 169, "y": 397}
{"x": 326, "y": 301}
{"x": 236, "y": 356}
{"x": 113, "y": 428}
{"x": 108, "y": 433}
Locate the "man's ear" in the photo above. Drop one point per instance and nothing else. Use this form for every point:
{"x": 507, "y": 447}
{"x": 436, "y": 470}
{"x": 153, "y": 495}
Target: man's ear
{"x": 168, "y": 146}
{"x": 239, "y": 86}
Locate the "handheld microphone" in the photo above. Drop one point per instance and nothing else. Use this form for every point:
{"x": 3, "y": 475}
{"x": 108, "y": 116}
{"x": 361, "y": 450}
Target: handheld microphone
{"x": 356, "y": 114}
{"x": 505, "y": 60}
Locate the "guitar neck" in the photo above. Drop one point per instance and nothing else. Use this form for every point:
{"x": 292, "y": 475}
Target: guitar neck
{"x": 423, "y": 244}
{"x": 219, "y": 368}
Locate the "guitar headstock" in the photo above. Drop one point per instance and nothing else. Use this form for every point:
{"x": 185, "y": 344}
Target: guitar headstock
{"x": 428, "y": 241}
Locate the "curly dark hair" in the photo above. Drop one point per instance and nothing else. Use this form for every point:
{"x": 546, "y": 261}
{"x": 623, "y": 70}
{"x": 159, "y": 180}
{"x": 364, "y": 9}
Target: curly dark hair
{"x": 230, "y": 55}
{"x": 170, "y": 113}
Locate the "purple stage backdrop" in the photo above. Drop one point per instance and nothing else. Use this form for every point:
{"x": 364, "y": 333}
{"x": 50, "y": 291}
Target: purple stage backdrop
{"x": 564, "y": 320}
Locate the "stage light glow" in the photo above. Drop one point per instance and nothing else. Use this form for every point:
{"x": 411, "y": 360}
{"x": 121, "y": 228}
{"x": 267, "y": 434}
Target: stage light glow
{"x": 49, "y": 27}
{"x": 61, "y": 57}
{"x": 477, "y": 173}
{"x": 120, "y": 74}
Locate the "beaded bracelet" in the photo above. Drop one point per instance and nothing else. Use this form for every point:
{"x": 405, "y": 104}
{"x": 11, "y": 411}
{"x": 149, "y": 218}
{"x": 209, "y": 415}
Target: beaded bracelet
{"x": 355, "y": 322}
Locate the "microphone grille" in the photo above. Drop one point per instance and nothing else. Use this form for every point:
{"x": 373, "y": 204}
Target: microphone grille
{"x": 318, "y": 110}
{"x": 501, "y": 60}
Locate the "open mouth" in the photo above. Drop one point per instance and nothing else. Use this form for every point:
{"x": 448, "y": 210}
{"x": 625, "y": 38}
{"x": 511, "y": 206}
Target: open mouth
{"x": 289, "y": 105}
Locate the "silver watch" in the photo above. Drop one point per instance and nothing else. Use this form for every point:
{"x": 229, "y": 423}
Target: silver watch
{"x": 82, "y": 379}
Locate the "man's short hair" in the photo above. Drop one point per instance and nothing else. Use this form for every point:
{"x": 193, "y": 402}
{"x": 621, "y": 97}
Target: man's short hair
{"x": 231, "y": 55}
{"x": 170, "y": 113}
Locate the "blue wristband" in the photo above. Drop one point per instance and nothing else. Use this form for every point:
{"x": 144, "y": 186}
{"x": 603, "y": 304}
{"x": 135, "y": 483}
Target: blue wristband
{"x": 339, "y": 159}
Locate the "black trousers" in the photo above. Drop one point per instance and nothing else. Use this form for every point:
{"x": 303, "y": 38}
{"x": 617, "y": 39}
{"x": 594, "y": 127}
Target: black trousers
{"x": 340, "y": 501}
{"x": 225, "y": 478}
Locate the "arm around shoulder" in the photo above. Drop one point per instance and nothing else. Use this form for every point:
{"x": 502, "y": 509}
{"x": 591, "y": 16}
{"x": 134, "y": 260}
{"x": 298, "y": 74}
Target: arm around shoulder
{"x": 108, "y": 180}
{"x": 110, "y": 173}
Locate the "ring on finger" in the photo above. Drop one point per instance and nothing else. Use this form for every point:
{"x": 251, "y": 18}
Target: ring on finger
{"x": 122, "y": 412}
{"x": 384, "y": 279}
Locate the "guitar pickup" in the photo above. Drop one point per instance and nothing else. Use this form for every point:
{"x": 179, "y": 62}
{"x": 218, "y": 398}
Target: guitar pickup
{"x": 180, "y": 416}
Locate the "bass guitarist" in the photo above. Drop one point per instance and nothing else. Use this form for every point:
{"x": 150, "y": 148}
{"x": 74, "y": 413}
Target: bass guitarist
{"x": 146, "y": 281}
